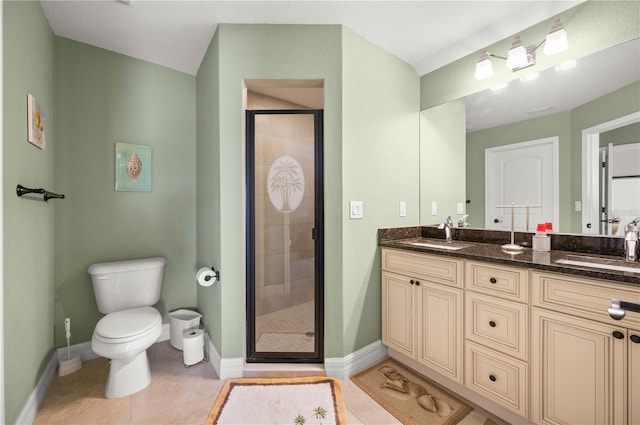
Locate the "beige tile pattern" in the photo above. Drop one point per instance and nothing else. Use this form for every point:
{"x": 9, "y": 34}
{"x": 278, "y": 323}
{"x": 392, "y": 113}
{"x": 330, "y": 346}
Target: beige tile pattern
{"x": 176, "y": 395}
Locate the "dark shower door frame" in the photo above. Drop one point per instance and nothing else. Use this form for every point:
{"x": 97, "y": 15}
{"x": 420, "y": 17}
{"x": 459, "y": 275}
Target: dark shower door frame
{"x": 317, "y": 356}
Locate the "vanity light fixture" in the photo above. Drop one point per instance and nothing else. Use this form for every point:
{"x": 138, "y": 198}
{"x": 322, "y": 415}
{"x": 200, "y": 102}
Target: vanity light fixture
{"x": 484, "y": 68}
{"x": 517, "y": 57}
{"x": 520, "y": 57}
{"x": 556, "y": 40}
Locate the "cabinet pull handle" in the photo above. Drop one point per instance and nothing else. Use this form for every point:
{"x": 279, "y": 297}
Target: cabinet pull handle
{"x": 493, "y": 280}
{"x": 618, "y": 335}
{"x": 492, "y": 324}
{"x": 493, "y": 378}
{"x": 635, "y": 338}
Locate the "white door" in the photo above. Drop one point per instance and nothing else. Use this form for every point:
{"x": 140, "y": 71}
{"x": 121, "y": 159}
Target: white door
{"x": 623, "y": 183}
{"x": 522, "y": 174}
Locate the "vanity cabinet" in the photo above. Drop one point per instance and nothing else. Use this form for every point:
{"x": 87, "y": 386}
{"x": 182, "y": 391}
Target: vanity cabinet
{"x": 497, "y": 334}
{"x": 584, "y": 364}
{"x": 539, "y": 345}
{"x": 422, "y": 309}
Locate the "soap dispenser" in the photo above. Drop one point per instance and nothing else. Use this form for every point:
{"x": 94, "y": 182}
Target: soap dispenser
{"x": 631, "y": 242}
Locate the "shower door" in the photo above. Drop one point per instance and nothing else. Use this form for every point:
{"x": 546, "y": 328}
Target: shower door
{"x": 284, "y": 236}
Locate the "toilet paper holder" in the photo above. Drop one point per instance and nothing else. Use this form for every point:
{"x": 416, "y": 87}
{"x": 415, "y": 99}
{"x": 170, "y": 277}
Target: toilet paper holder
{"x": 216, "y": 275}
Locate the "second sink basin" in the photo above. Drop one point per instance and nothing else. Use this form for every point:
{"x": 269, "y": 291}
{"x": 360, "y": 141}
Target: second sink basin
{"x": 437, "y": 244}
{"x": 601, "y": 263}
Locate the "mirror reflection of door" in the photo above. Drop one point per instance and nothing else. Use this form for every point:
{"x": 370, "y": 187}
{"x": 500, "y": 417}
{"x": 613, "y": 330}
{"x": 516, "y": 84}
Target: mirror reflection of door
{"x": 522, "y": 174}
{"x": 620, "y": 187}
{"x": 284, "y": 236}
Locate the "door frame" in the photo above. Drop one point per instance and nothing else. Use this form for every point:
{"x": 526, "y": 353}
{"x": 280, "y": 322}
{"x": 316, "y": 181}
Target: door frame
{"x": 317, "y": 356}
{"x": 591, "y": 170}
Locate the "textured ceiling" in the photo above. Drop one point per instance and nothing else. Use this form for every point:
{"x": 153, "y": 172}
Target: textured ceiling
{"x": 176, "y": 34}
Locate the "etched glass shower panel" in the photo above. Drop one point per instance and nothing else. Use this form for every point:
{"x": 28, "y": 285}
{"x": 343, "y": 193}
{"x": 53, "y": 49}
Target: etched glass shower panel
{"x": 284, "y": 222}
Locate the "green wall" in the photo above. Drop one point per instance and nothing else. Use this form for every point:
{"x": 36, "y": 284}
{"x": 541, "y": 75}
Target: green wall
{"x": 241, "y": 52}
{"x": 28, "y": 62}
{"x": 380, "y": 166}
{"x": 370, "y": 139}
{"x": 591, "y": 27}
{"x": 442, "y": 161}
{"x": 568, "y": 127}
{"x": 103, "y": 98}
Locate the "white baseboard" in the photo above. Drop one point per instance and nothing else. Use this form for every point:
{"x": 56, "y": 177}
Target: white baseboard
{"x": 30, "y": 409}
{"x": 225, "y": 368}
{"x": 84, "y": 351}
{"x": 344, "y": 367}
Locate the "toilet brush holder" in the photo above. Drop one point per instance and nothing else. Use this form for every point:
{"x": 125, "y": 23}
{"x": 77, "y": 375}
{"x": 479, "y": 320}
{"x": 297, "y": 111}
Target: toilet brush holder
{"x": 69, "y": 365}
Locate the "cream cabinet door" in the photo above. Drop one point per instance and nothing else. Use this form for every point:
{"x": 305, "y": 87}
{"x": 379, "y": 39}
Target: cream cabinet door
{"x": 634, "y": 377}
{"x": 439, "y": 321}
{"x": 397, "y": 313}
{"x": 578, "y": 370}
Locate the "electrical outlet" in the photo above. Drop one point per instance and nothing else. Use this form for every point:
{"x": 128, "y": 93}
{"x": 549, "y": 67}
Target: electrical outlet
{"x": 434, "y": 208}
{"x": 578, "y": 206}
{"x": 403, "y": 209}
{"x": 460, "y": 208}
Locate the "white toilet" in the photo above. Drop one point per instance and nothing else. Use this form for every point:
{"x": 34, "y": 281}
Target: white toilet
{"x": 125, "y": 292}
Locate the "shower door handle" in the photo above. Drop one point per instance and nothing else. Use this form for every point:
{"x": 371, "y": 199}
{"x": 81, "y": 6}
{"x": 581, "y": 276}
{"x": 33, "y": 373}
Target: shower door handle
{"x": 314, "y": 233}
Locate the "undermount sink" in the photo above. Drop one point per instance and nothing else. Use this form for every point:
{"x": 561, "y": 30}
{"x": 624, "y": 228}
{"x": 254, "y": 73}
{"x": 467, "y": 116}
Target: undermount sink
{"x": 601, "y": 263}
{"x": 436, "y": 244}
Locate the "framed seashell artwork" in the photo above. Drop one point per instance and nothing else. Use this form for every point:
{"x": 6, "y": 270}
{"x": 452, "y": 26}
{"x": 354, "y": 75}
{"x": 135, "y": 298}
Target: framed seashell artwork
{"x": 35, "y": 123}
{"x": 133, "y": 167}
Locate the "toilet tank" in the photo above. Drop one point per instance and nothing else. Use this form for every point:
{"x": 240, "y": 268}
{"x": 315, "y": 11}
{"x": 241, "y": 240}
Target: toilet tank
{"x": 120, "y": 285}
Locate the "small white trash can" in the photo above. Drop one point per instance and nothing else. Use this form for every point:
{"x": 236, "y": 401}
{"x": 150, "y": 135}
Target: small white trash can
{"x": 193, "y": 343}
{"x": 179, "y": 321}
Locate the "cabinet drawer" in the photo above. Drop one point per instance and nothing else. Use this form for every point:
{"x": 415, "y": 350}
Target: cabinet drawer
{"x": 497, "y": 377}
{"x": 500, "y": 281}
{"x": 499, "y": 324}
{"x": 588, "y": 298}
{"x": 423, "y": 266}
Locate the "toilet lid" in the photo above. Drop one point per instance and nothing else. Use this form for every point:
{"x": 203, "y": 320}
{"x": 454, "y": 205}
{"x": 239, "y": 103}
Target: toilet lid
{"x": 127, "y": 323}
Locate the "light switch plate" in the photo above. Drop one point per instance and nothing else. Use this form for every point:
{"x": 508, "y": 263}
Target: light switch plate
{"x": 460, "y": 208}
{"x": 355, "y": 209}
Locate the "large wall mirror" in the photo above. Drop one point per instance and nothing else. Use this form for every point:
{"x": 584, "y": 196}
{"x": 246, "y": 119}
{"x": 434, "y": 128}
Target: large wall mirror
{"x": 601, "y": 93}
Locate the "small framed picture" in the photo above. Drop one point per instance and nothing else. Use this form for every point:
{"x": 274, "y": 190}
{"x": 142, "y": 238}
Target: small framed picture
{"x": 35, "y": 123}
{"x": 133, "y": 168}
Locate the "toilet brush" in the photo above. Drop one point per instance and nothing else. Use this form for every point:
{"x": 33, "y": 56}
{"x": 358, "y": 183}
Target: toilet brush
{"x": 71, "y": 364}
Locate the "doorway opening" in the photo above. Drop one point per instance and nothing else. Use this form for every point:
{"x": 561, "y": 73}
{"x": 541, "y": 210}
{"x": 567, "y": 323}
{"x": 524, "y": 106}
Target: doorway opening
{"x": 285, "y": 288}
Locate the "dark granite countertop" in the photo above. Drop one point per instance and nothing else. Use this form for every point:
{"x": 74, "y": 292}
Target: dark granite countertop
{"x": 492, "y": 252}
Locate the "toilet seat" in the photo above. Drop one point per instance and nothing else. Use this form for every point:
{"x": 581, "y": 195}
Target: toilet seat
{"x": 126, "y": 325}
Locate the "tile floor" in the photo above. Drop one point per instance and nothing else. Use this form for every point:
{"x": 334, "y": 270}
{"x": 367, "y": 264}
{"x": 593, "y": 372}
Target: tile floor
{"x": 285, "y": 330}
{"x": 176, "y": 395}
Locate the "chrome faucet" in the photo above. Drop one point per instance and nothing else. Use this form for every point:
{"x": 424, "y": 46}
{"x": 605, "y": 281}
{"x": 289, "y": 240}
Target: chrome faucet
{"x": 631, "y": 249}
{"x": 462, "y": 222}
{"x": 447, "y": 225}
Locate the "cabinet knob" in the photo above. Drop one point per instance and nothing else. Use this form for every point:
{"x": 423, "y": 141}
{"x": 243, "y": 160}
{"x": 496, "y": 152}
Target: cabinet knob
{"x": 493, "y": 280}
{"x": 618, "y": 335}
{"x": 417, "y": 283}
{"x": 412, "y": 281}
{"x": 493, "y": 378}
{"x": 492, "y": 324}
{"x": 635, "y": 338}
